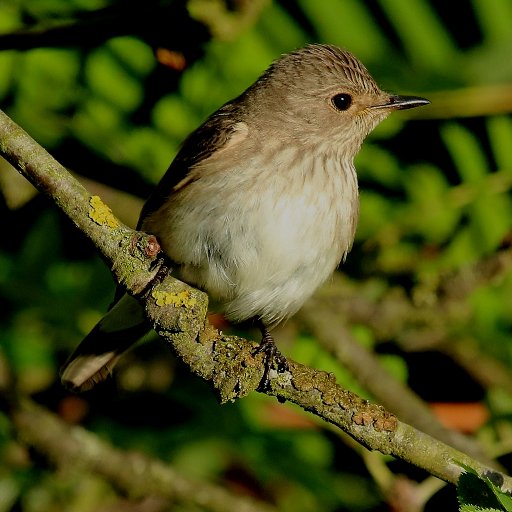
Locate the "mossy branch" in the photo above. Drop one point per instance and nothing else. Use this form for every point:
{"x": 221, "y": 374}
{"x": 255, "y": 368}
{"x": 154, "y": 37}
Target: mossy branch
{"x": 178, "y": 312}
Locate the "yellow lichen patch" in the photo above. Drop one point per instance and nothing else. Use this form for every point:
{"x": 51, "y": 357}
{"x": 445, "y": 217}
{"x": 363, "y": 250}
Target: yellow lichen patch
{"x": 176, "y": 299}
{"x": 101, "y": 213}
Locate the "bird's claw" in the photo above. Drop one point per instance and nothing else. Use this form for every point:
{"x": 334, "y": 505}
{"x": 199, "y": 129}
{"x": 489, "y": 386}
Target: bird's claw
{"x": 273, "y": 359}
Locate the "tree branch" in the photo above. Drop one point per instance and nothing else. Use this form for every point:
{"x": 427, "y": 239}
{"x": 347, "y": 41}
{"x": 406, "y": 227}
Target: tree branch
{"x": 178, "y": 311}
{"x": 134, "y": 473}
{"x": 331, "y": 331}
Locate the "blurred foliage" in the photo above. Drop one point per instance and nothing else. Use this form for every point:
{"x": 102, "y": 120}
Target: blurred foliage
{"x": 435, "y": 196}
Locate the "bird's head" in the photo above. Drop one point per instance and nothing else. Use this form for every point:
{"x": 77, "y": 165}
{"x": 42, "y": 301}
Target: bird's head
{"x": 323, "y": 93}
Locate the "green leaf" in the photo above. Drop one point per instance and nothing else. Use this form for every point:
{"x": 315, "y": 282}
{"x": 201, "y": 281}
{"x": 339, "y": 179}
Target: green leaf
{"x": 281, "y": 28}
{"x": 473, "y": 508}
{"x": 481, "y": 494}
{"x": 430, "y": 212}
{"x": 500, "y": 135}
{"x": 494, "y": 17}
{"x": 475, "y": 492}
{"x": 347, "y": 24}
{"x": 466, "y": 152}
{"x": 134, "y": 54}
{"x": 424, "y": 37}
{"x": 110, "y": 80}
{"x": 147, "y": 150}
{"x": 174, "y": 117}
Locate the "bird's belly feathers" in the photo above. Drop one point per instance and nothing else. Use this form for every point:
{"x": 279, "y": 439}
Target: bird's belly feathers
{"x": 264, "y": 252}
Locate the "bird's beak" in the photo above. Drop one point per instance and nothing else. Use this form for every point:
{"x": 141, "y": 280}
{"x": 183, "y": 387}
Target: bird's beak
{"x": 401, "y": 103}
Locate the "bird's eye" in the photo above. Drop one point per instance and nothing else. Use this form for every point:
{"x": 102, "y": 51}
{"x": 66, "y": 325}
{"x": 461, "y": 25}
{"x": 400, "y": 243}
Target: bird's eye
{"x": 341, "y": 101}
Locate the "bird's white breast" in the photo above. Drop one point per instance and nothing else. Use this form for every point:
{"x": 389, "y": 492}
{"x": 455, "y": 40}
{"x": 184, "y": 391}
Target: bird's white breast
{"x": 261, "y": 236}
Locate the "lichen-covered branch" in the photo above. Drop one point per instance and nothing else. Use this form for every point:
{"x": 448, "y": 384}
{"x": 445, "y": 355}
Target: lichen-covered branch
{"x": 178, "y": 311}
{"x": 331, "y": 331}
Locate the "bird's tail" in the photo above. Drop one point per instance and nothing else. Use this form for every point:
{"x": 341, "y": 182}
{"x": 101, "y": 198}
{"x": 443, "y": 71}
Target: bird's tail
{"x": 99, "y": 351}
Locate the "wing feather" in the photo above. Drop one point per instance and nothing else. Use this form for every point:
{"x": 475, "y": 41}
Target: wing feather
{"x": 212, "y": 136}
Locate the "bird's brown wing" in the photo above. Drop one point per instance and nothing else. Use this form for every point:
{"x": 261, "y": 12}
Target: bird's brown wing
{"x": 210, "y": 137}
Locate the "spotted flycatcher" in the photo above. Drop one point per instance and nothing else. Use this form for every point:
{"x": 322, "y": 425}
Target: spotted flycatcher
{"x": 261, "y": 204}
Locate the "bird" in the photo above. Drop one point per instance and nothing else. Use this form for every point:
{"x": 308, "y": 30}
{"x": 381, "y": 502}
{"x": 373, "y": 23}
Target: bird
{"x": 260, "y": 204}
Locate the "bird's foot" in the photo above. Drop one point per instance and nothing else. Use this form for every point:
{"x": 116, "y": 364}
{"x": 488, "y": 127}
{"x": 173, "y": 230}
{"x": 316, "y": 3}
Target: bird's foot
{"x": 163, "y": 269}
{"x": 273, "y": 359}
